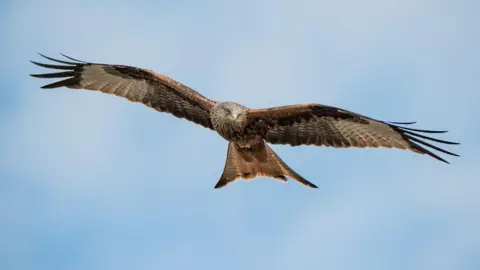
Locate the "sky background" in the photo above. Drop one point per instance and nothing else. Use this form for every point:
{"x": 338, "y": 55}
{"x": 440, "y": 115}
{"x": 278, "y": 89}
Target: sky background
{"x": 92, "y": 181}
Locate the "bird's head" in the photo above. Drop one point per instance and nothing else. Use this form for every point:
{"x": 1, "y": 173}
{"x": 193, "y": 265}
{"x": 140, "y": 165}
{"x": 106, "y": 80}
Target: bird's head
{"x": 230, "y": 111}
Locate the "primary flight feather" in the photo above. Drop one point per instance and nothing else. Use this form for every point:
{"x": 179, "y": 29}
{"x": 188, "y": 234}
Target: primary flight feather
{"x": 247, "y": 130}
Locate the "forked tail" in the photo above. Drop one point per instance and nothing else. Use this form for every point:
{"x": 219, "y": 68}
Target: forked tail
{"x": 260, "y": 160}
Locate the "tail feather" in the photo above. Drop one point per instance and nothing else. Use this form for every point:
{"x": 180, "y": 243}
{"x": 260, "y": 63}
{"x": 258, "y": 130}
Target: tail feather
{"x": 245, "y": 163}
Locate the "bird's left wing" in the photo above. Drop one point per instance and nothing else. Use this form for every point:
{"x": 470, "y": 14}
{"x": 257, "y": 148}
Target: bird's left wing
{"x": 315, "y": 124}
{"x": 135, "y": 84}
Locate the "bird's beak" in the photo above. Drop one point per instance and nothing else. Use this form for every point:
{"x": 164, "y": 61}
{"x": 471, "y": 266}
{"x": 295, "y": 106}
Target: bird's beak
{"x": 235, "y": 116}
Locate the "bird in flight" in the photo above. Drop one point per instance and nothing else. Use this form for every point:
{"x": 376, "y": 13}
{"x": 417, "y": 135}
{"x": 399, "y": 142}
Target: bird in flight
{"x": 247, "y": 130}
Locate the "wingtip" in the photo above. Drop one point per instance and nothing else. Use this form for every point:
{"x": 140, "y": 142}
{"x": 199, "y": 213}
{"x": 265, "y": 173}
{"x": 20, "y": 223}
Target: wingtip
{"x": 402, "y": 123}
{"x": 71, "y": 58}
{"x": 64, "y": 55}
{"x": 313, "y": 186}
{"x": 35, "y": 63}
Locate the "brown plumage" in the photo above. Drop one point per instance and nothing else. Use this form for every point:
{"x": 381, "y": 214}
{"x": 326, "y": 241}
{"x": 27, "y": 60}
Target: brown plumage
{"x": 138, "y": 85}
{"x": 247, "y": 130}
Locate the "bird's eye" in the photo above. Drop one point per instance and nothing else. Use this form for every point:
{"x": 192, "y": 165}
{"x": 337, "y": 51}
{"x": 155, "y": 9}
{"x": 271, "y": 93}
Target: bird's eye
{"x": 227, "y": 111}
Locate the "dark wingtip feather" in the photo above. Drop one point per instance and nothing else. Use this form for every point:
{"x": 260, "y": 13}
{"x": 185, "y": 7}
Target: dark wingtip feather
{"x": 313, "y": 186}
{"x": 430, "y": 145}
{"x": 56, "y": 60}
{"x": 396, "y": 125}
{"x": 54, "y": 75}
{"x": 402, "y": 123}
{"x": 52, "y": 66}
{"x": 423, "y": 150}
{"x": 67, "y": 83}
{"x": 71, "y": 58}
{"x": 69, "y": 76}
{"x": 415, "y": 142}
{"x": 429, "y": 138}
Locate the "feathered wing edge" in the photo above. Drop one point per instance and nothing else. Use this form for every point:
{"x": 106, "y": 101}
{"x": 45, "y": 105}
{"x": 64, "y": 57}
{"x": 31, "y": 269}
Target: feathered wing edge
{"x": 413, "y": 137}
{"x": 286, "y": 115}
{"x": 71, "y": 76}
{"x": 73, "y": 68}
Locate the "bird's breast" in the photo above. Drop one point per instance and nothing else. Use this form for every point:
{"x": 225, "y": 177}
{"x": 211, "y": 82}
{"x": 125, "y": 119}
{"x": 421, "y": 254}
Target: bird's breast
{"x": 231, "y": 133}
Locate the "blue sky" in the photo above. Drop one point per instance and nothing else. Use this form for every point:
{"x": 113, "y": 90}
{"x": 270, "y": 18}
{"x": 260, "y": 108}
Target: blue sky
{"x": 92, "y": 181}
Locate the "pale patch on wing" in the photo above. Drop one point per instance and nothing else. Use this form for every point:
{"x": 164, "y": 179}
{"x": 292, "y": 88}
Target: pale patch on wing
{"x": 386, "y": 134}
{"x": 331, "y": 132}
{"x": 373, "y": 134}
{"x": 94, "y": 77}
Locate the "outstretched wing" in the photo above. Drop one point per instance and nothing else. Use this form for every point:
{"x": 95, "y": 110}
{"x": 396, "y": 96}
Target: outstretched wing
{"x": 136, "y": 84}
{"x": 315, "y": 124}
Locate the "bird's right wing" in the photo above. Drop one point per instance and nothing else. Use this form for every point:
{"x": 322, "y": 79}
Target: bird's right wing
{"x": 136, "y": 84}
{"x": 315, "y": 124}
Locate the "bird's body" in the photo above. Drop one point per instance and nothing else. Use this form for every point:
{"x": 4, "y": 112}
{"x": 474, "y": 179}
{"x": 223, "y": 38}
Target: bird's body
{"x": 247, "y": 130}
